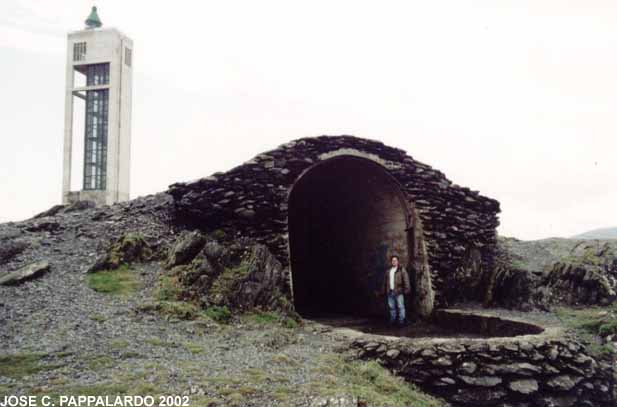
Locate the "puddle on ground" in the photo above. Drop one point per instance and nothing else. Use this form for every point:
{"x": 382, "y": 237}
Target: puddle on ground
{"x": 416, "y": 329}
{"x": 444, "y": 324}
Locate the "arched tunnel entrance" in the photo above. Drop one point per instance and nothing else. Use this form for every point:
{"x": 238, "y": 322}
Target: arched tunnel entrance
{"x": 347, "y": 216}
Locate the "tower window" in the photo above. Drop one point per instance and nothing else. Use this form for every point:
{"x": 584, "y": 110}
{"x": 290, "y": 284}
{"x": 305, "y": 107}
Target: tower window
{"x": 128, "y": 56}
{"x": 97, "y": 74}
{"x": 95, "y": 154}
{"x": 79, "y": 51}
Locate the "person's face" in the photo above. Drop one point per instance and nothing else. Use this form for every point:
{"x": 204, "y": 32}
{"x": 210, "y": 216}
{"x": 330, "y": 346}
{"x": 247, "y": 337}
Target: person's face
{"x": 394, "y": 262}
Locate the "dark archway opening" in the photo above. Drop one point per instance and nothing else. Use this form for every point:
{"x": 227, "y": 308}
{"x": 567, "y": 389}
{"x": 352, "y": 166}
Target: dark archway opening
{"x": 347, "y": 215}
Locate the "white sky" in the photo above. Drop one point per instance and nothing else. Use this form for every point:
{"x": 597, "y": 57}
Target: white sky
{"x": 516, "y": 99}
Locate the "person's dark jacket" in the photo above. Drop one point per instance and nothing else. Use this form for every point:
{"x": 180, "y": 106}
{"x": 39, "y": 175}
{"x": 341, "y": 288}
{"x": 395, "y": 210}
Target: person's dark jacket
{"x": 401, "y": 281}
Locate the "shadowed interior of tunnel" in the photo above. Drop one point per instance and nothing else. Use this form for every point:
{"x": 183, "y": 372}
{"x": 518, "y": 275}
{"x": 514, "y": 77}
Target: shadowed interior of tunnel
{"x": 347, "y": 215}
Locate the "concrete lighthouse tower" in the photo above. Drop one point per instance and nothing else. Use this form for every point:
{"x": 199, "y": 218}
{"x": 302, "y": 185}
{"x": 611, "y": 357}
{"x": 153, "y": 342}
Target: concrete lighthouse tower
{"x": 99, "y": 75}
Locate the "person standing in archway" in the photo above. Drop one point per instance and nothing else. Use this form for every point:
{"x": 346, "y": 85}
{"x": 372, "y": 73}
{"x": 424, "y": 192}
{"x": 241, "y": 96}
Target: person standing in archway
{"x": 396, "y": 286}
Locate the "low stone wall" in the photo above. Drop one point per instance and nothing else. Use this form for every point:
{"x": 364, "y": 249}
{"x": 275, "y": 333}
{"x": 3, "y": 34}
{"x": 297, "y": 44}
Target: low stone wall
{"x": 548, "y": 369}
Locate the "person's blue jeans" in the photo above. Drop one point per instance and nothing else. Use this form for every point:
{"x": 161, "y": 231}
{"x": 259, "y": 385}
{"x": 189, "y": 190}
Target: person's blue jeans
{"x": 396, "y": 302}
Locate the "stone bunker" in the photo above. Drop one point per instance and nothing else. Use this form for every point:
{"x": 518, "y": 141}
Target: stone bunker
{"x": 333, "y": 209}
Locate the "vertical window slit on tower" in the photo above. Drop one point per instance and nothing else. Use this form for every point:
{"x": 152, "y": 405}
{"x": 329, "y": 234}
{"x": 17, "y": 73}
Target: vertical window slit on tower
{"x": 97, "y": 106}
{"x": 128, "y": 56}
{"x": 95, "y": 163}
{"x": 79, "y": 51}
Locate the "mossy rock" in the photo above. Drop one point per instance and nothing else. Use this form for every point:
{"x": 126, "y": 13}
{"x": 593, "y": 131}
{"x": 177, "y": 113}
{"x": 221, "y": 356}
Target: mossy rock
{"x": 128, "y": 248}
{"x": 185, "y": 249}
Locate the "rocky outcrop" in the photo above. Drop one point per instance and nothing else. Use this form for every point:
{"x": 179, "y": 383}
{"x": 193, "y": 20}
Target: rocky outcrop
{"x": 11, "y": 248}
{"x": 241, "y": 275}
{"x": 59, "y": 209}
{"x": 262, "y": 286}
{"x": 251, "y": 200}
{"x": 578, "y": 284}
{"x": 185, "y": 248}
{"x": 554, "y": 271}
{"x": 25, "y": 273}
{"x": 128, "y": 248}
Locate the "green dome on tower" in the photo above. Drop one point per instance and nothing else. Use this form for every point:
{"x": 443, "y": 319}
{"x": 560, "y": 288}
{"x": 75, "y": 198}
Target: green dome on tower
{"x": 93, "y": 20}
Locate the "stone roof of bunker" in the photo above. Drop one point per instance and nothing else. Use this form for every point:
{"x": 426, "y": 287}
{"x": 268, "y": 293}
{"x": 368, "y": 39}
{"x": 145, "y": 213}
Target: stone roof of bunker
{"x": 300, "y": 152}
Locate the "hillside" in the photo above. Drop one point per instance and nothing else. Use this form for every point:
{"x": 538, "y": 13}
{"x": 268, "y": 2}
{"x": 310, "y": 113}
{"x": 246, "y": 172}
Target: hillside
{"x": 603, "y": 233}
{"x": 539, "y": 255}
{"x": 125, "y": 302}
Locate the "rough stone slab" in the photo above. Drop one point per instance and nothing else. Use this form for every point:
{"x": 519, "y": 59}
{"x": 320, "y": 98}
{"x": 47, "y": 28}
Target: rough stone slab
{"x": 28, "y": 272}
{"x": 563, "y": 382}
{"x": 526, "y": 386}
{"x": 484, "y": 381}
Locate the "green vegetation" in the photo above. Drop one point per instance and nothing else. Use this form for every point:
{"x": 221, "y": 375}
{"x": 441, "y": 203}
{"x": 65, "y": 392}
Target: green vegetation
{"x": 589, "y": 256}
{"x": 369, "y": 382}
{"x": 291, "y": 323}
{"x": 332, "y": 376}
{"x": 261, "y": 318}
{"x": 226, "y": 284}
{"x": 329, "y": 375}
{"x": 179, "y": 309}
{"x": 128, "y": 248}
{"x": 192, "y": 347}
{"x": 24, "y": 364}
{"x": 591, "y": 324}
{"x": 161, "y": 343}
{"x": 119, "y": 344}
{"x": 98, "y": 318}
{"x": 218, "y": 314}
{"x": 280, "y": 338}
{"x": 120, "y": 281}
{"x": 265, "y": 318}
{"x": 167, "y": 288}
{"x": 99, "y": 362}
{"x": 219, "y": 234}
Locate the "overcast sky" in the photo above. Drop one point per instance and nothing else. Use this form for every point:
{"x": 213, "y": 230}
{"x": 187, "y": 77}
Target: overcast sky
{"x": 516, "y": 99}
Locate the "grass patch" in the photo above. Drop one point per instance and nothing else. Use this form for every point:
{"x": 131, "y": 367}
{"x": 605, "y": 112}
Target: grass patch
{"x": 99, "y": 362}
{"x": 280, "y": 338}
{"x": 172, "y": 309}
{"x": 98, "y": 318}
{"x": 179, "y": 309}
{"x": 119, "y": 344}
{"x": 130, "y": 355}
{"x": 284, "y": 360}
{"x": 591, "y": 324}
{"x": 161, "y": 343}
{"x": 167, "y": 289}
{"x": 192, "y": 347}
{"x": 219, "y": 314}
{"x": 261, "y": 318}
{"x": 227, "y": 282}
{"x": 266, "y": 318}
{"x": 332, "y": 377}
{"x": 290, "y": 323}
{"x": 369, "y": 382}
{"x": 120, "y": 281}
{"x": 24, "y": 364}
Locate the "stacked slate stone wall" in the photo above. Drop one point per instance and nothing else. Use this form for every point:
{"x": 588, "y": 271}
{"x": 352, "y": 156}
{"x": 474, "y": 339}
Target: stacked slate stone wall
{"x": 534, "y": 370}
{"x": 252, "y": 200}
